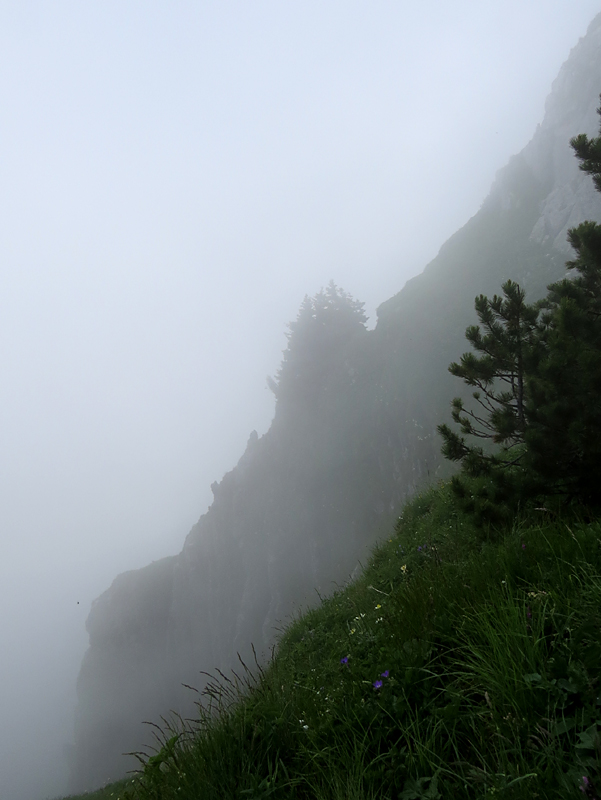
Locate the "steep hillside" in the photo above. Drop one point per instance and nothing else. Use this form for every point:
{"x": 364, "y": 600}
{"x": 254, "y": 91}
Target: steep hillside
{"x": 458, "y": 666}
{"x": 353, "y": 436}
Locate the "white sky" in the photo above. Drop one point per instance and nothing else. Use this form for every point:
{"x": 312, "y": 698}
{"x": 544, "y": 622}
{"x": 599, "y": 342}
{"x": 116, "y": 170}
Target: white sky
{"x": 174, "y": 178}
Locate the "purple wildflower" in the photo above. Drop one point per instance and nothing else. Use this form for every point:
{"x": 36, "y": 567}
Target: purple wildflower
{"x": 344, "y": 660}
{"x": 377, "y": 684}
{"x": 384, "y": 674}
{"x": 528, "y": 612}
{"x": 523, "y": 547}
{"x": 419, "y": 549}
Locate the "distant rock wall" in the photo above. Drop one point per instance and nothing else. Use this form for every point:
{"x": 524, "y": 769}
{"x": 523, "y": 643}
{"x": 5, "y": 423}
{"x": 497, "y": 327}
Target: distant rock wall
{"x": 307, "y": 500}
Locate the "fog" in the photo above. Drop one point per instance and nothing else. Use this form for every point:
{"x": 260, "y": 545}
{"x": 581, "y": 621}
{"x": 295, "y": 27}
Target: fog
{"x": 175, "y": 178}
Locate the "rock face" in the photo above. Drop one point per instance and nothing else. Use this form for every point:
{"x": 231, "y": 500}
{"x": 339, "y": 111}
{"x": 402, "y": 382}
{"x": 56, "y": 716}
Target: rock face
{"x": 570, "y": 110}
{"x": 309, "y": 498}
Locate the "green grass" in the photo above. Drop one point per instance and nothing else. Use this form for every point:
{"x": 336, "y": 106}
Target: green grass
{"x": 460, "y": 665}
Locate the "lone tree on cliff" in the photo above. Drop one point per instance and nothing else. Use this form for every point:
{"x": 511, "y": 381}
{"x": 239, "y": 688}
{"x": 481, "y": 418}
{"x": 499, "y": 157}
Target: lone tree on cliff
{"x": 317, "y": 339}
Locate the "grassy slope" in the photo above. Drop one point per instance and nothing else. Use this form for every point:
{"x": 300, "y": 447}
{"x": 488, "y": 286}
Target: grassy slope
{"x": 459, "y": 665}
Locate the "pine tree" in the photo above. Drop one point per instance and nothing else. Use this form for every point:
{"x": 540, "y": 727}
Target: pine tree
{"x": 316, "y": 343}
{"x": 505, "y": 343}
{"x": 538, "y": 382}
{"x": 564, "y": 441}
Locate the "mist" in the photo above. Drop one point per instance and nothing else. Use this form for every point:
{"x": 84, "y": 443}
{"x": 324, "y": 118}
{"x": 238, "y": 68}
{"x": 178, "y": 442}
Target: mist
{"x": 175, "y": 179}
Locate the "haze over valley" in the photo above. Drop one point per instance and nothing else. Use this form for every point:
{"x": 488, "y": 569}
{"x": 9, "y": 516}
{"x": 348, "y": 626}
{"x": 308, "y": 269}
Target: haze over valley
{"x": 176, "y": 180}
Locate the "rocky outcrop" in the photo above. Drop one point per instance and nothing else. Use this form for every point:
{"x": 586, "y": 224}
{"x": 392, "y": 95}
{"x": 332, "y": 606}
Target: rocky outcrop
{"x": 570, "y": 109}
{"x": 307, "y": 500}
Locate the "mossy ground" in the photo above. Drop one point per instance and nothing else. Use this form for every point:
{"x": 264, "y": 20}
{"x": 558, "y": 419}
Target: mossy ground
{"x": 461, "y": 664}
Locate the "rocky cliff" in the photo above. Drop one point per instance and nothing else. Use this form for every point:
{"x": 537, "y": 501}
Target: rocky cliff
{"x": 308, "y": 499}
